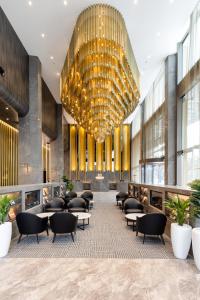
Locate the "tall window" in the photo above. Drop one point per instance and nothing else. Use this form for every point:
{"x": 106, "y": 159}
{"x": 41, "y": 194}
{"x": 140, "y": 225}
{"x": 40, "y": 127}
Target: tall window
{"x": 135, "y": 147}
{"x": 154, "y": 132}
{"x": 191, "y": 44}
{"x": 191, "y": 135}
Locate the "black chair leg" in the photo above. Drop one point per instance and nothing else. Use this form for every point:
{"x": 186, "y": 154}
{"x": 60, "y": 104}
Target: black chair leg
{"x": 136, "y": 233}
{"x": 47, "y": 230}
{"x": 162, "y": 239}
{"x": 143, "y": 238}
{"x": 72, "y": 236}
{"x": 54, "y": 237}
{"x": 19, "y": 239}
{"x": 37, "y": 238}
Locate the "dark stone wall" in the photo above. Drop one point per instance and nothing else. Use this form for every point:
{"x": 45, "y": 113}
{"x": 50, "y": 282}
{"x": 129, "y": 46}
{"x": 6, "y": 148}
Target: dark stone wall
{"x": 49, "y": 112}
{"x": 15, "y": 61}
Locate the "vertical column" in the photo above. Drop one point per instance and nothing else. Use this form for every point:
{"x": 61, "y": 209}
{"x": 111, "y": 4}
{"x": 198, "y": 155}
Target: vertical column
{"x": 82, "y": 148}
{"x": 108, "y": 152}
{"x": 99, "y": 157}
{"x": 73, "y": 149}
{"x": 30, "y": 129}
{"x": 91, "y": 152}
{"x": 170, "y": 119}
{"x": 117, "y": 149}
{"x": 126, "y": 137}
{"x": 57, "y": 148}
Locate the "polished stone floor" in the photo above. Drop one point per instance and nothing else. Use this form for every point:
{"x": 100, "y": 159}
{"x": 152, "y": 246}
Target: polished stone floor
{"x": 98, "y": 279}
{"x": 106, "y": 262}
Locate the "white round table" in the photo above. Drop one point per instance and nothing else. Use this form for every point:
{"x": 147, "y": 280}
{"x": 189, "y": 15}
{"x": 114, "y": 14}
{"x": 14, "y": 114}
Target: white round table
{"x": 133, "y": 217}
{"x": 46, "y": 214}
{"x": 82, "y": 216}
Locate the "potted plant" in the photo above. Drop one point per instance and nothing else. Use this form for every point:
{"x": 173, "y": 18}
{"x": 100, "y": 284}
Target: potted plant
{"x": 195, "y": 213}
{"x": 195, "y": 202}
{"x": 5, "y": 226}
{"x": 68, "y": 183}
{"x": 181, "y": 232}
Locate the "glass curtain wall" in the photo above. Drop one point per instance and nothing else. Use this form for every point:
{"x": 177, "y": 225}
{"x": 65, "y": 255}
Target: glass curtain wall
{"x": 136, "y": 146}
{"x": 154, "y": 132}
{"x": 191, "y": 44}
{"x": 191, "y": 135}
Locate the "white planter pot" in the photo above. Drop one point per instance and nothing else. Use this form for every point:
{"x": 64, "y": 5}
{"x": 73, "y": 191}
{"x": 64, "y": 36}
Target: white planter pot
{"x": 181, "y": 237}
{"x": 196, "y": 246}
{"x": 5, "y": 238}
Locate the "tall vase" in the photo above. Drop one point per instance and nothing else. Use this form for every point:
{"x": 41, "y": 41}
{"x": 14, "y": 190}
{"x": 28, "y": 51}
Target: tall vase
{"x": 196, "y": 246}
{"x": 181, "y": 237}
{"x": 5, "y": 238}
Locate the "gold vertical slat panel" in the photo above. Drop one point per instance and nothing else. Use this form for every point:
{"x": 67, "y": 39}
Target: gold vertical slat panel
{"x": 8, "y": 154}
{"x": 126, "y": 147}
{"x": 108, "y": 152}
{"x": 73, "y": 148}
{"x": 90, "y": 152}
{"x": 82, "y": 149}
{"x": 117, "y": 149}
{"x": 99, "y": 156}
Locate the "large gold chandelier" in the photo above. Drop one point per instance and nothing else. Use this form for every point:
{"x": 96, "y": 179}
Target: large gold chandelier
{"x": 100, "y": 78}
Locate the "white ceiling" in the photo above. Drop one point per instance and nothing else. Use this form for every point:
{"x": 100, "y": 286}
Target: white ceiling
{"x": 154, "y": 27}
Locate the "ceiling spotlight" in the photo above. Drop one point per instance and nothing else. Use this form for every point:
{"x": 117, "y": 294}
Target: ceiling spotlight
{"x": 65, "y": 3}
{"x": 158, "y": 34}
{"x": 43, "y": 35}
{"x": 171, "y": 1}
{"x": 30, "y": 3}
{"x": 51, "y": 57}
{"x": 7, "y": 119}
{"x": 7, "y": 108}
{"x": 135, "y": 2}
{"x": 2, "y": 72}
{"x": 149, "y": 56}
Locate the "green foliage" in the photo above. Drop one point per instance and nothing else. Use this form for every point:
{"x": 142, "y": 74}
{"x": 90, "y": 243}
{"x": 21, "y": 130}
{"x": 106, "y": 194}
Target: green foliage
{"x": 195, "y": 198}
{"x": 179, "y": 209}
{"x": 5, "y": 203}
{"x": 68, "y": 183}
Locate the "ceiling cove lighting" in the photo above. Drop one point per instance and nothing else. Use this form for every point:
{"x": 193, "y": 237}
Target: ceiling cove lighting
{"x": 100, "y": 77}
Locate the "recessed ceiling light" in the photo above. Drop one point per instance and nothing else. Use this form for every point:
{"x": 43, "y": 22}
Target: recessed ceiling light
{"x": 51, "y": 57}
{"x": 30, "y": 3}
{"x": 43, "y": 35}
{"x": 7, "y": 108}
{"x": 58, "y": 74}
{"x": 149, "y": 56}
{"x": 135, "y": 2}
{"x": 171, "y": 1}
{"x": 7, "y": 119}
{"x": 65, "y": 3}
{"x": 158, "y": 34}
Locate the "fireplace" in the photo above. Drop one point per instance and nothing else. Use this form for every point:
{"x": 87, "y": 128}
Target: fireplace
{"x": 156, "y": 200}
{"x": 32, "y": 199}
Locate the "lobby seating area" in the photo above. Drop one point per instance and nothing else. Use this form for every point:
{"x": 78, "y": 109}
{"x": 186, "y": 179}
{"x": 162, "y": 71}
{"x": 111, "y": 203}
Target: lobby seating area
{"x": 100, "y": 150}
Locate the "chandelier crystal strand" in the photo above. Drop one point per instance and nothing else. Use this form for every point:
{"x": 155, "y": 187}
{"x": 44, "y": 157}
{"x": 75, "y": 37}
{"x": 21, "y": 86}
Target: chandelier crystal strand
{"x": 100, "y": 77}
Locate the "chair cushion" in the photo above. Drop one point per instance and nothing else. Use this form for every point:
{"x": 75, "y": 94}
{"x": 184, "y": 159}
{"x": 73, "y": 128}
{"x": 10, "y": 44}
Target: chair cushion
{"x": 53, "y": 209}
{"x": 133, "y": 210}
{"x": 77, "y": 209}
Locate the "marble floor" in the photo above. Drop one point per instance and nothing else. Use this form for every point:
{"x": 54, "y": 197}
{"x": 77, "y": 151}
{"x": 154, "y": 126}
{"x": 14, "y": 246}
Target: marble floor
{"x": 98, "y": 279}
{"x": 106, "y": 262}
